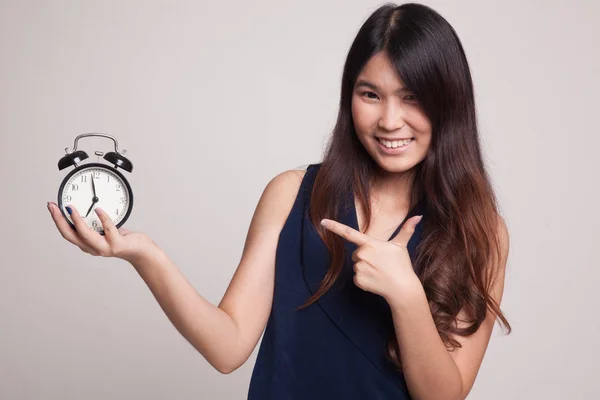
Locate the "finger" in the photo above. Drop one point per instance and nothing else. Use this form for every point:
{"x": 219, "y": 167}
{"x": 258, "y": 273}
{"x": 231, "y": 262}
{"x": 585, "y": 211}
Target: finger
{"x": 361, "y": 266}
{"x": 110, "y": 231}
{"x": 361, "y": 253}
{"x": 346, "y": 232}
{"x": 67, "y": 232}
{"x": 403, "y": 237}
{"x": 87, "y": 234}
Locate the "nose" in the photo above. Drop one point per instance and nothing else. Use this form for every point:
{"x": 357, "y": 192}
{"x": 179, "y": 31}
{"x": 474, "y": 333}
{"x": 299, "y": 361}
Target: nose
{"x": 392, "y": 117}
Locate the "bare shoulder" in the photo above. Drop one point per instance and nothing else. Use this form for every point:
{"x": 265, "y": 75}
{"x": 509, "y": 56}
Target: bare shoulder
{"x": 280, "y": 193}
{"x": 504, "y": 238}
{"x": 290, "y": 179}
{"x": 503, "y": 232}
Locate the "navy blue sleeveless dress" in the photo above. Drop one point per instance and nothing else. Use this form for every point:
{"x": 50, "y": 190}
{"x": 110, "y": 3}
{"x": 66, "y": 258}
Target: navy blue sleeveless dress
{"x": 335, "y": 348}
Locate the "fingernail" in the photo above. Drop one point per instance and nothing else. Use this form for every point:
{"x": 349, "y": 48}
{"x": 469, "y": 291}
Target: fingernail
{"x": 324, "y": 223}
{"x": 419, "y": 219}
{"x": 69, "y": 210}
{"x": 49, "y": 207}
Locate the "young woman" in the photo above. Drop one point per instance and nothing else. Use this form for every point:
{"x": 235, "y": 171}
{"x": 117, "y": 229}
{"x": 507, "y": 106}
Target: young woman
{"x": 377, "y": 273}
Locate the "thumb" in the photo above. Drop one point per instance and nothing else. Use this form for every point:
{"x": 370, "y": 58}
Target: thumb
{"x": 124, "y": 231}
{"x": 407, "y": 231}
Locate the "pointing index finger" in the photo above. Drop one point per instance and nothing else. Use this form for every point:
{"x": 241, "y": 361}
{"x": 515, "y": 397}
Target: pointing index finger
{"x": 346, "y": 232}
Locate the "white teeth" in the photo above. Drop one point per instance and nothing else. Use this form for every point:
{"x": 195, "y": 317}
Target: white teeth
{"x": 394, "y": 144}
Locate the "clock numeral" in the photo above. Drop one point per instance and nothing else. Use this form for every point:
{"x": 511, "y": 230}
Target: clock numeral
{"x": 117, "y": 212}
{"x": 95, "y": 223}
{"x": 122, "y": 200}
{"x": 68, "y": 198}
{"x": 83, "y": 178}
{"x": 108, "y": 180}
{"x": 118, "y": 187}
{"x": 96, "y": 174}
{"x": 74, "y": 187}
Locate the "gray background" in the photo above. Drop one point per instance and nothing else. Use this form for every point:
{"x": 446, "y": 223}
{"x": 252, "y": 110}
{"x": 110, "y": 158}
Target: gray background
{"x": 213, "y": 99}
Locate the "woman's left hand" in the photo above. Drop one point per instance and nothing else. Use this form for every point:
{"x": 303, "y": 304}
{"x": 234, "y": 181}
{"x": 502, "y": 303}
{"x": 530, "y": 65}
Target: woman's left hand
{"x": 383, "y": 268}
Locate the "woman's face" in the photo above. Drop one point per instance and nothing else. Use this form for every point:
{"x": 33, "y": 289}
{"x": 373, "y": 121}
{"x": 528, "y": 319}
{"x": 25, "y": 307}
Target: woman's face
{"x": 383, "y": 109}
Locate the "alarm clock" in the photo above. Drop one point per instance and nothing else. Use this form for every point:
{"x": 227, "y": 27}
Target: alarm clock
{"x": 96, "y": 184}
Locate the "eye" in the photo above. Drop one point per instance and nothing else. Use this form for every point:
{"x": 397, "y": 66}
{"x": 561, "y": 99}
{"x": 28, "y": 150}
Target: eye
{"x": 367, "y": 93}
{"x": 413, "y": 97}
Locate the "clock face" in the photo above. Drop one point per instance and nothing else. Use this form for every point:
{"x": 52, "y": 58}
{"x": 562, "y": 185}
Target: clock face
{"x": 112, "y": 194}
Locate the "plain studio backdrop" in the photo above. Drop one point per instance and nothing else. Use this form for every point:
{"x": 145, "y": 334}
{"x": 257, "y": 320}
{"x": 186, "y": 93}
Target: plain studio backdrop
{"x": 212, "y": 100}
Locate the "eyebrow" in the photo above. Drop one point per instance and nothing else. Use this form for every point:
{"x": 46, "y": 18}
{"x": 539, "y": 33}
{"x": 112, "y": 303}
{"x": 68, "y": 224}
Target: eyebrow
{"x": 370, "y": 85}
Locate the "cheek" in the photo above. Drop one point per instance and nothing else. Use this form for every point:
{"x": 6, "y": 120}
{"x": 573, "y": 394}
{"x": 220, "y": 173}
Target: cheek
{"x": 355, "y": 113}
{"x": 420, "y": 120}
{"x": 421, "y": 127}
{"x": 424, "y": 142}
{"x": 363, "y": 116}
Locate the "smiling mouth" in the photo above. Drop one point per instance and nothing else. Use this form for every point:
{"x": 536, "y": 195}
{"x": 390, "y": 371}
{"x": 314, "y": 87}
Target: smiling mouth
{"x": 394, "y": 144}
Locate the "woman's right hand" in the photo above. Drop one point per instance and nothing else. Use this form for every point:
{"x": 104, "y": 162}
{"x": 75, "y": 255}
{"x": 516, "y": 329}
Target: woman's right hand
{"x": 120, "y": 243}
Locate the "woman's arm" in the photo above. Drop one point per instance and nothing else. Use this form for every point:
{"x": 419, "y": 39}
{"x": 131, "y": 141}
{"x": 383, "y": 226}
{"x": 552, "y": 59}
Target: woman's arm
{"x": 206, "y": 327}
{"x": 226, "y": 335}
{"x": 431, "y": 372}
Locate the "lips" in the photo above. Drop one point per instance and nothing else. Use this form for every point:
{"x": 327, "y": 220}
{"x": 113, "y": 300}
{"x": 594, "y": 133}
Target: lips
{"x": 393, "y": 150}
{"x": 395, "y": 139}
{"x": 402, "y": 143}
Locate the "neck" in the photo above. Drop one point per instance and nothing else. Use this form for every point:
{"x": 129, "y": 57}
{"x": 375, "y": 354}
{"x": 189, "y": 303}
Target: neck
{"x": 393, "y": 189}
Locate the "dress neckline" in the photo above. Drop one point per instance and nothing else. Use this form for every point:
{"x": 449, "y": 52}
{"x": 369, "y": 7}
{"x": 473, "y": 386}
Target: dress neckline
{"x": 354, "y": 215}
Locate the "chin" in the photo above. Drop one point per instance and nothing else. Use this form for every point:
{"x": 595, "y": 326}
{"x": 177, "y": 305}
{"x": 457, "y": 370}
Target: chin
{"x": 391, "y": 168}
{"x": 394, "y": 164}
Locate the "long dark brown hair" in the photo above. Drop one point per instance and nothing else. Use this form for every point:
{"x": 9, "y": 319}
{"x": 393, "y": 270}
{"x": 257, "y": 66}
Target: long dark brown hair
{"x": 460, "y": 247}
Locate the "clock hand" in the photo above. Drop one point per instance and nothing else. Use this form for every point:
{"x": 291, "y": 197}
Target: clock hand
{"x": 94, "y": 199}
{"x": 93, "y": 185}
{"x": 90, "y": 209}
